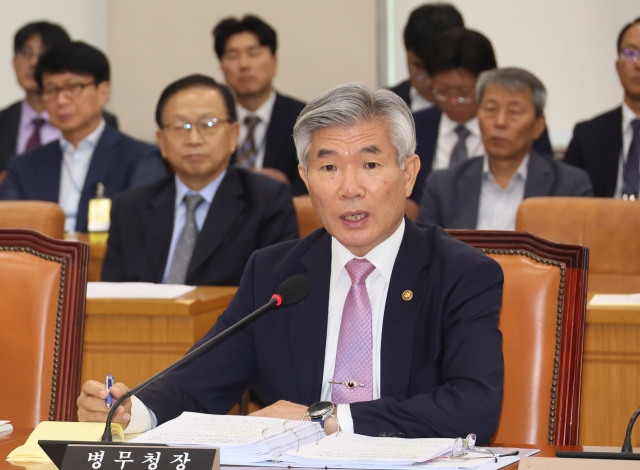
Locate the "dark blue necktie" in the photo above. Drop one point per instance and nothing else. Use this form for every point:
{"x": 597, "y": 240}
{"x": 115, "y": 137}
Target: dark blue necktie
{"x": 631, "y": 173}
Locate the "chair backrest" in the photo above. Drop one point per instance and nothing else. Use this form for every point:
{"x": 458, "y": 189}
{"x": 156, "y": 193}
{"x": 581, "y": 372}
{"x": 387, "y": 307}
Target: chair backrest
{"x": 307, "y": 220}
{"x": 608, "y": 227}
{"x": 42, "y": 303}
{"x": 542, "y": 322}
{"x": 41, "y": 216}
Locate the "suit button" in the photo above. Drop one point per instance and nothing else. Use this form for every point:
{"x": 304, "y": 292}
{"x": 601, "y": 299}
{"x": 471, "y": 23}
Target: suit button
{"x": 401, "y": 434}
{"x": 382, "y": 434}
{"x": 391, "y": 435}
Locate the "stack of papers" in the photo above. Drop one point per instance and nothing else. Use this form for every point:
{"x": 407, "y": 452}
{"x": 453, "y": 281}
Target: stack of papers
{"x": 243, "y": 440}
{"x": 616, "y": 299}
{"x": 5, "y": 426}
{"x": 135, "y": 290}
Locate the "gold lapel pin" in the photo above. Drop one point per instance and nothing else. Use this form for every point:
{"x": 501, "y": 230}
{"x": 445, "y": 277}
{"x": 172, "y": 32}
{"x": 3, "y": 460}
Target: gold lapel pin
{"x": 407, "y": 295}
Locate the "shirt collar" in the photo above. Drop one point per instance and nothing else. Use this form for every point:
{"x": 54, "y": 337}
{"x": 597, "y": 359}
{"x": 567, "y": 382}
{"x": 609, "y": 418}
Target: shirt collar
{"x": 28, "y": 114}
{"x": 449, "y": 126}
{"x": 382, "y": 256}
{"x": 522, "y": 171}
{"x": 627, "y": 116}
{"x": 207, "y": 193}
{"x": 417, "y": 100}
{"x": 89, "y": 141}
{"x": 263, "y": 112}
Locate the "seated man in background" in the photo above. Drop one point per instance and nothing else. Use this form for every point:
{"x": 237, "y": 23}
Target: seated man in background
{"x": 410, "y": 314}
{"x": 246, "y": 49}
{"x": 74, "y": 81}
{"x": 425, "y": 22}
{"x": 200, "y": 225}
{"x": 25, "y": 125}
{"x": 448, "y": 133}
{"x": 484, "y": 193}
{"x": 608, "y": 146}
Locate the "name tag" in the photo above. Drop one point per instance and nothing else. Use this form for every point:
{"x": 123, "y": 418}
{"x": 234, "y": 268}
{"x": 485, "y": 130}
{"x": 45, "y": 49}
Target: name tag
{"x": 99, "y": 218}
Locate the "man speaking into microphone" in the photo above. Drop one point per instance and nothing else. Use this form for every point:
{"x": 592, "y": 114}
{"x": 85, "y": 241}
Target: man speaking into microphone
{"x": 399, "y": 333}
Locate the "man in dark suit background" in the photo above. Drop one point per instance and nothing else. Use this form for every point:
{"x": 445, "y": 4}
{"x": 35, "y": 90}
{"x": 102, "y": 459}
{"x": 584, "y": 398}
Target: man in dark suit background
{"x": 74, "y": 80}
{"x": 449, "y": 133}
{"x": 608, "y": 146}
{"x": 424, "y": 23}
{"x": 428, "y": 352}
{"x": 25, "y": 125}
{"x": 246, "y": 49}
{"x": 484, "y": 192}
{"x": 236, "y": 211}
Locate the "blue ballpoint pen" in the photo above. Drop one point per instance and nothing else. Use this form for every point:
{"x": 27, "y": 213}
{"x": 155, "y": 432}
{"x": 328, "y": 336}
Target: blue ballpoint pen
{"x": 109, "y": 400}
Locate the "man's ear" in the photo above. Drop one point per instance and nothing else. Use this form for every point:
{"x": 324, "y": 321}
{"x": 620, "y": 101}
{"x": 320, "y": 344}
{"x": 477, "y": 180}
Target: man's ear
{"x": 161, "y": 145}
{"x": 411, "y": 169}
{"x": 303, "y": 175}
{"x": 540, "y": 125}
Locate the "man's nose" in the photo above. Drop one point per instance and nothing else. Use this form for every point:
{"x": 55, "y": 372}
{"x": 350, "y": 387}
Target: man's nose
{"x": 351, "y": 183}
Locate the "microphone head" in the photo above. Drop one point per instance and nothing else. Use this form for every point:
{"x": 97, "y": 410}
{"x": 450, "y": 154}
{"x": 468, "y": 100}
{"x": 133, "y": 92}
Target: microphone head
{"x": 293, "y": 290}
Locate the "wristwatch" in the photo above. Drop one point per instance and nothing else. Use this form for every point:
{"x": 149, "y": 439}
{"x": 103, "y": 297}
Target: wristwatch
{"x": 319, "y": 412}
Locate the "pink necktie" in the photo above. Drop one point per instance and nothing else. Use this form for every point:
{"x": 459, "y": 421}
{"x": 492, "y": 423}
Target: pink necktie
{"x": 34, "y": 140}
{"x": 354, "y": 362}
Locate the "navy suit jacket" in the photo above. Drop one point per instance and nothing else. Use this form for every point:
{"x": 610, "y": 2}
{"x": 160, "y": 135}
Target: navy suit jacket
{"x": 596, "y": 147}
{"x": 402, "y": 90}
{"x": 452, "y": 197}
{"x": 441, "y": 371}
{"x": 249, "y": 211}
{"x": 280, "y": 151}
{"x": 119, "y": 162}
{"x": 9, "y": 124}
{"x": 427, "y": 126}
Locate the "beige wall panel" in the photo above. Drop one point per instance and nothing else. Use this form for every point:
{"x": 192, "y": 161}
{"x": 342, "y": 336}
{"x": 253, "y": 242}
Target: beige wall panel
{"x": 322, "y": 43}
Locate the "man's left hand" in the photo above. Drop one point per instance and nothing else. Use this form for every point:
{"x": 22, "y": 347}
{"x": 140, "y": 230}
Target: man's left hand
{"x": 282, "y": 409}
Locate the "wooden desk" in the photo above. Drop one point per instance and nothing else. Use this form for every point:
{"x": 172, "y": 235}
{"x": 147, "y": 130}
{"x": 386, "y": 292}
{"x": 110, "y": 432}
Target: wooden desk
{"x": 134, "y": 339}
{"x": 611, "y": 375}
{"x": 97, "y": 248}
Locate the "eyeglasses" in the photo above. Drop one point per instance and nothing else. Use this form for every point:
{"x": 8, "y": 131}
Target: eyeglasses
{"x": 463, "y": 449}
{"x": 630, "y": 54}
{"x": 205, "y": 127}
{"x": 28, "y": 53}
{"x": 461, "y": 98}
{"x": 72, "y": 90}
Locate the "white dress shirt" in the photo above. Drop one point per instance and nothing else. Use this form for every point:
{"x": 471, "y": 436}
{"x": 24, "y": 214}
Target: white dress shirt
{"x": 180, "y": 212}
{"x": 383, "y": 258}
{"x": 75, "y": 165}
{"x": 418, "y": 102}
{"x": 48, "y": 133}
{"x": 627, "y": 138}
{"x": 260, "y": 131}
{"x": 498, "y": 206}
{"x": 447, "y": 139}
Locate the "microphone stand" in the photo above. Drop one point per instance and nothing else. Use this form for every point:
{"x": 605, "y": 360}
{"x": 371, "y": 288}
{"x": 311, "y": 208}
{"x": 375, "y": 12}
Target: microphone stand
{"x": 274, "y": 302}
{"x": 626, "y": 446}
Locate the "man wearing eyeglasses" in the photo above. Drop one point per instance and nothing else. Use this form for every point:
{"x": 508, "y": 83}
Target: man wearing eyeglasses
{"x": 25, "y": 125}
{"x": 74, "y": 82}
{"x": 201, "y": 225}
{"x": 608, "y": 146}
{"x": 448, "y": 134}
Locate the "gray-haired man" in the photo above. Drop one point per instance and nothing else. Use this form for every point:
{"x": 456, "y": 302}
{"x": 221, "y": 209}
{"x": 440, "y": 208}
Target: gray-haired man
{"x": 400, "y": 329}
{"x": 484, "y": 193}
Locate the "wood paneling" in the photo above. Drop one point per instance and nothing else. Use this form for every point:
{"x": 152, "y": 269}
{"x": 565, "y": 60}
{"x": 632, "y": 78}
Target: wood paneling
{"x": 97, "y": 248}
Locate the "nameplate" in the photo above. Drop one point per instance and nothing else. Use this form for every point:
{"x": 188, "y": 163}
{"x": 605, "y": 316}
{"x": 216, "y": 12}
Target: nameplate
{"x": 139, "y": 457}
{"x": 552, "y": 463}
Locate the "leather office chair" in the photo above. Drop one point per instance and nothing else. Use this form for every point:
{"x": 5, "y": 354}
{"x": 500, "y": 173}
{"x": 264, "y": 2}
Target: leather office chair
{"x": 608, "y": 227}
{"x": 42, "y": 303}
{"x": 307, "y": 220}
{"x": 41, "y": 216}
{"x": 542, "y": 322}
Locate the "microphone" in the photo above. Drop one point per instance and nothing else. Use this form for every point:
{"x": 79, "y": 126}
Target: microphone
{"x": 626, "y": 446}
{"x": 290, "y": 292}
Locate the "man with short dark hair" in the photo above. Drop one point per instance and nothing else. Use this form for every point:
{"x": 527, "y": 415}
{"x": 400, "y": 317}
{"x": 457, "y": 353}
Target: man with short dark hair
{"x": 608, "y": 146}
{"x": 424, "y": 23}
{"x": 199, "y": 226}
{"x": 246, "y": 49}
{"x": 90, "y": 158}
{"x": 484, "y": 193}
{"x": 25, "y": 125}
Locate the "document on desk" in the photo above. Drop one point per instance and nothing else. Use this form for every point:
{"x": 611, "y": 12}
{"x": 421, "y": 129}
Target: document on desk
{"x": 631, "y": 300}
{"x": 135, "y": 290}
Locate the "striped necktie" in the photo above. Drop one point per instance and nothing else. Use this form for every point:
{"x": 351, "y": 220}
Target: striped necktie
{"x": 248, "y": 150}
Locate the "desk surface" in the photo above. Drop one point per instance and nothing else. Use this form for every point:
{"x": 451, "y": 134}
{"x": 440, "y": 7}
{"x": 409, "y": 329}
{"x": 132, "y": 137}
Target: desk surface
{"x": 19, "y": 436}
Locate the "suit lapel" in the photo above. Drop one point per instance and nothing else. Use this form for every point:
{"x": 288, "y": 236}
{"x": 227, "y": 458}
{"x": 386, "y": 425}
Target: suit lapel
{"x": 158, "y": 228}
{"x": 431, "y": 136}
{"x": 9, "y": 131}
{"x": 609, "y": 148}
{"x": 101, "y": 160}
{"x": 400, "y": 315}
{"x": 540, "y": 177}
{"x": 308, "y": 325}
{"x": 226, "y": 206}
{"x": 468, "y": 201}
{"x": 49, "y": 168}
{"x": 275, "y": 140}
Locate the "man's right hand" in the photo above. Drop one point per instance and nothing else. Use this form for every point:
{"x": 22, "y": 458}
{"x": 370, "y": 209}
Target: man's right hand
{"x": 92, "y": 407}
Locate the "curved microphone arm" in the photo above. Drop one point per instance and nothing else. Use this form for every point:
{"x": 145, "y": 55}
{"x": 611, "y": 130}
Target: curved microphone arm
{"x": 626, "y": 447}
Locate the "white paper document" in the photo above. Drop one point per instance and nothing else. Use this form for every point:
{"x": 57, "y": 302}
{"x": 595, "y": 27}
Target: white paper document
{"x": 632, "y": 300}
{"x": 135, "y": 290}
{"x": 5, "y": 426}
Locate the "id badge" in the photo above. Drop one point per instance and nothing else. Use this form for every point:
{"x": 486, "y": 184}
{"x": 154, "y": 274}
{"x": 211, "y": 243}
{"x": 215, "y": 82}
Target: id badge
{"x": 99, "y": 214}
